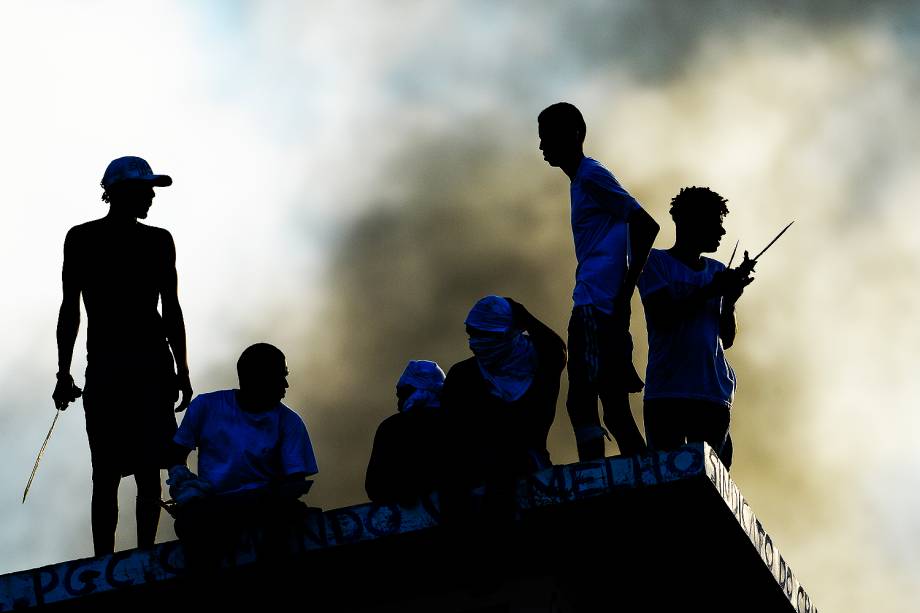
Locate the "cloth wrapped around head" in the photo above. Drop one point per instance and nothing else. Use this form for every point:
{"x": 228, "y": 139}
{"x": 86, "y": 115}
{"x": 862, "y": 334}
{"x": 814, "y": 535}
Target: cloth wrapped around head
{"x": 427, "y": 378}
{"x": 506, "y": 356}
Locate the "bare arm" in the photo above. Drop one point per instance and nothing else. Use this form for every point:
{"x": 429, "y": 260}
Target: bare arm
{"x": 175, "y": 325}
{"x": 728, "y": 328}
{"x": 540, "y": 333}
{"x": 68, "y": 325}
{"x": 642, "y": 232}
{"x": 739, "y": 279}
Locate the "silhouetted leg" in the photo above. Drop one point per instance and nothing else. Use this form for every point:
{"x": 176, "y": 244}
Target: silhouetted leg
{"x": 709, "y": 423}
{"x": 616, "y": 378}
{"x": 728, "y": 451}
{"x": 581, "y": 403}
{"x": 664, "y": 423}
{"x": 104, "y": 511}
{"x": 147, "y": 510}
{"x": 581, "y": 400}
{"x": 537, "y": 426}
{"x": 621, "y": 423}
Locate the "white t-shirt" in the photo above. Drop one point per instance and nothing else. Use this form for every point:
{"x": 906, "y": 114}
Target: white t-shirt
{"x": 238, "y": 450}
{"x": 685, "y": 360}
{"x": 600, "y": 210}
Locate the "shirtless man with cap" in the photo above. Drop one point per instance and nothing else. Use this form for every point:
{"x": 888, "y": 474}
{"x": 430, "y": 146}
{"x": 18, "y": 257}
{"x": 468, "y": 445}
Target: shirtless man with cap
{"x": 123, "y": 268}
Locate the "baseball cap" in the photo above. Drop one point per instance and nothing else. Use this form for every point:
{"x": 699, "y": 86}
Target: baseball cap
{"x": 132, "y": 168}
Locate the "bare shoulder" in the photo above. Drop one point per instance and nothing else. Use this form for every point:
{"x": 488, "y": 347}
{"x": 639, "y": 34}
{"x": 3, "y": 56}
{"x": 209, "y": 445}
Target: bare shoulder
{"x": 158, "y": 239}
{"x": 156, "y": 233}
{"x": 87, "y": 230}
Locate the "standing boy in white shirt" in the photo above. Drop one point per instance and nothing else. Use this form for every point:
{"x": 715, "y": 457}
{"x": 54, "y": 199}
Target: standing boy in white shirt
{"x": 613, "y": 235}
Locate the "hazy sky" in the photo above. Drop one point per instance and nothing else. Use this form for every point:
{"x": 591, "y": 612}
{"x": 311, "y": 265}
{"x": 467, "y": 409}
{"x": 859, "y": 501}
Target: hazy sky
{"x": 351, "y": 177}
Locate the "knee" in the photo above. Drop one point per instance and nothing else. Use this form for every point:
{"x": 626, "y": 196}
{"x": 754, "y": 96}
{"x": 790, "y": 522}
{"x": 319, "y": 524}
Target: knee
{"x": 589, "y": 433}
{"x": 105, "y": 482}
{"x": 148, "y": 486}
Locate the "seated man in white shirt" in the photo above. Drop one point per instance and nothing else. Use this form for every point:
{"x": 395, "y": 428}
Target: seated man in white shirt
{"x": 689, "y": 305}
{"x": 254, "y": 453}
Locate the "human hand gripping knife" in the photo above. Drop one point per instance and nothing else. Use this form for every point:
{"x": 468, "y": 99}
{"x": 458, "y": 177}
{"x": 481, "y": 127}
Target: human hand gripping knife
{"x": 747, "y": 265}
{"x": 65, "y": 392}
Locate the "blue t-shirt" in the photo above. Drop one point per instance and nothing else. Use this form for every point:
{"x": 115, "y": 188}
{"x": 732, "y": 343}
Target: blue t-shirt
{"x": 238, "y": 450}
{"x": 600, "y": 211}
{"x": 686, "y": 359}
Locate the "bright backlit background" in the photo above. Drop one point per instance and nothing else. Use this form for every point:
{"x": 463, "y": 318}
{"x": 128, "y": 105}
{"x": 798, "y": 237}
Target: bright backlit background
{"x": 350, "y": 177}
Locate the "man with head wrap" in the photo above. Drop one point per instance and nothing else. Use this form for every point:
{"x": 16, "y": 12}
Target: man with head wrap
{"x": 405, "y": 461}
{"x": 501, "y": 402}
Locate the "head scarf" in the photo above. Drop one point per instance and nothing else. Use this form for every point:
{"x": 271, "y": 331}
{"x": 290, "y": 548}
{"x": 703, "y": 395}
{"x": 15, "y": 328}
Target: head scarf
{"x": 508, "y": 362}
{"x": 427, "y": 378}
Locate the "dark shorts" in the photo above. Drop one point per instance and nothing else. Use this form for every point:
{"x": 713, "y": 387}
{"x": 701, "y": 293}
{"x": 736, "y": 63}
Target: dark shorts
{"x": 600, "y": 350}
{"x": 130, "y": 420}
{"x": 600, "y": 367}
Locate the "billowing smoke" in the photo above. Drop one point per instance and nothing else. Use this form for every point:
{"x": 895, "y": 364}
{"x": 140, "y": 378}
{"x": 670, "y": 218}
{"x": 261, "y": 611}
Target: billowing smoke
{"x": 414, "y": 129}
{"x": 784, "y": 125}
{"x": 405, "y": 274}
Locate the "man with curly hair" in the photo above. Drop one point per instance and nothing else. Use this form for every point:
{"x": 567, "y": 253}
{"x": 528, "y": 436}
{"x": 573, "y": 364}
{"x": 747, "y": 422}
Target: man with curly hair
{"x": 613, "y": 235}
{"x": 123, "y": 269}
{"x": 689, "y": 305}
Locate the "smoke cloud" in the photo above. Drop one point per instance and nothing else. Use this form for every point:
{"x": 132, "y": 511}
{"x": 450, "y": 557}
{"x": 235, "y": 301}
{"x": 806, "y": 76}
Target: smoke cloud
{"x": 385, "y": 175}
{"x": 784, "y": 124}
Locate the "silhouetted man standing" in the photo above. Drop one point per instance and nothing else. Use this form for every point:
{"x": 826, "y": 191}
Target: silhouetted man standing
{"x": 613, "y": 235}
{"x": 123, "y": 269}
{"x": 689, "y": 305}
